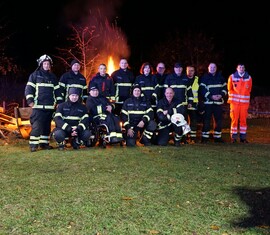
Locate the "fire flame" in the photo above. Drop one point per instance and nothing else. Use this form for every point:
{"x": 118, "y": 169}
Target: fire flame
{"x": 110, "y": 65}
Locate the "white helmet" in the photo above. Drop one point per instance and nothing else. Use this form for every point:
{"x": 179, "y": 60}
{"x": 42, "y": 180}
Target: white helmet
{"x": 178, "y": 119}
{"x": 44, "y": 58}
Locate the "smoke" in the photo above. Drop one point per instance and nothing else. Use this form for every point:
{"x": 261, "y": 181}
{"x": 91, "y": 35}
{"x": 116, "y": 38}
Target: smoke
{"x": 100, "y": 15}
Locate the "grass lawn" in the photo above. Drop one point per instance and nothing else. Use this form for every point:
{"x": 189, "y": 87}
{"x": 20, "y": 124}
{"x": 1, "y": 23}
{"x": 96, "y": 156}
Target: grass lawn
{"x": 199, "y": 189}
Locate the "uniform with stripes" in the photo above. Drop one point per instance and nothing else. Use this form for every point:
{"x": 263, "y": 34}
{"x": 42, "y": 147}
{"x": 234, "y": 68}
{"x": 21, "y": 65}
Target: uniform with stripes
{"x": 42, "y": 90}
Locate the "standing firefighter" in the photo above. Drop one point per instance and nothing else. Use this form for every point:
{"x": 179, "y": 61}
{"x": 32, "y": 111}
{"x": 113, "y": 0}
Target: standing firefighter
{"x": 73, "y": 78}
{"x": 42, "y": 94}
{"x": 239, "y": 88}
{"x": 213, "y": 90}
{"x": 123, "y": 79}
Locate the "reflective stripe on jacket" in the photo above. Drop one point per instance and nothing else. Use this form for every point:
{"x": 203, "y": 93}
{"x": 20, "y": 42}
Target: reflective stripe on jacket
{"x": 239, "y": 88}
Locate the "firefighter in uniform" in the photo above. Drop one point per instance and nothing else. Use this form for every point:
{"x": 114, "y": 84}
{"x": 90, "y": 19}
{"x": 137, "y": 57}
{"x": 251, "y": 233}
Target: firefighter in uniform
{"x": 104, "y": 83}
{"x": 182, "y": 89}
{"x": 101, "y": 112}
{"x": 73, "y": 78}
{"x": 181, "y": 86}
{"x": 166, "y": 107}
{"x": 42, "y": 94}
{"x": 137, "y": 116}
{"x": 160, "y": 77}
{"x": 72, "y": 120}
{"x": 239, "y": 88}
{"x": 213, "y": 90}
{"x": 148, "y": 84}
{"x": 123, "y": 79}
{"x": 192, "y": 110}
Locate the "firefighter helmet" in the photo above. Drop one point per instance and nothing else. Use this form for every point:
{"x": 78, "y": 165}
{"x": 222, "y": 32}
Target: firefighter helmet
{"x": 178, "y": 119}
{"x": 43, "y": 58}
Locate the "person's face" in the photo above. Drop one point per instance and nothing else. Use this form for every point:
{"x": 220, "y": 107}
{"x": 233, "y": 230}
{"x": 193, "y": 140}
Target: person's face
{"x": 76, "y": 67}
{"x": 212, "y": 68}
{"x": 178, "y": 70}
{"x": 190, "y": 72}
{"x": 123, "y": 64}
{"x": 169, "y": 94}
{"x": 94, "y": 93}
{"x": 102, "y": 70}
{"x": 241, "y": 68}
{"x": 160, "y": 68}
{"x": 46, "y": 65}
{"x": 146, "y": 70}
{"x": 136, "y": 92}
{"x": 73, "y": 97}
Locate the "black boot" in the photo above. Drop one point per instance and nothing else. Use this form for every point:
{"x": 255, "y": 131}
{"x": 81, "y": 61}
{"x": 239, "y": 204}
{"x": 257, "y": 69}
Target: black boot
{"x": 145, "y": 141}
{"x": 75, "y": 143}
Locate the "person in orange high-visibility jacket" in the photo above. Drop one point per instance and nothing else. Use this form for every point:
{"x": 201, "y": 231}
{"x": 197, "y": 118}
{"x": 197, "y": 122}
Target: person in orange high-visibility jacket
{"x": 239, "y": 89}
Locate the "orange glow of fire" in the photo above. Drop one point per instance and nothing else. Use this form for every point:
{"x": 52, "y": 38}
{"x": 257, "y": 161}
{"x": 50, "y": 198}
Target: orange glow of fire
{"x": 110, "y": 65}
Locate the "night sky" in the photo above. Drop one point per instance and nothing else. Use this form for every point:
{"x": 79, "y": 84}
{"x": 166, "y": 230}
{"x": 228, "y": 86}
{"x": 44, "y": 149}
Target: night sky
{"x": 240, "y": 29}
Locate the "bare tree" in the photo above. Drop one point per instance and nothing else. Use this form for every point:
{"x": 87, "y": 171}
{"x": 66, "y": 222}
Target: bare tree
{"x": 81, "y": 48}
{"x": 94, "y": 45}
{"x": 200, "y": 50}
{"x": 197, "y": 49}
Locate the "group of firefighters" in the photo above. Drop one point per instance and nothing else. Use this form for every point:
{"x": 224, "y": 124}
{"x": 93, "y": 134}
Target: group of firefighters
{"x": 152, "y": 106}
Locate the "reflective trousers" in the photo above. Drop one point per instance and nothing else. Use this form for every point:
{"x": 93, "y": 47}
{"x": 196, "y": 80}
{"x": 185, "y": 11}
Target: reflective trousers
{"x": 238, "y": 115}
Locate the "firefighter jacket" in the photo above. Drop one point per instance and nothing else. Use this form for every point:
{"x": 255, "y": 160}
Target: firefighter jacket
{"x": 43, "y": 89}
{"x": 212, "y": 85}
{"x": 160, "y": 80}
{"x": 181, "y": 86}
{"x": 71, "y": 114}
{"x": 239, "y": 88}
{"x": 70, "y": 79}
{"x": 195, "y": 88}
{"x": 96, "y": 107}
{"x": 149, "y": 87}
{"x": 172, "y": 108}
{"x": 104, "y": 84}
{"x": 135, "y": 110}
{"x": 123, "y": 81}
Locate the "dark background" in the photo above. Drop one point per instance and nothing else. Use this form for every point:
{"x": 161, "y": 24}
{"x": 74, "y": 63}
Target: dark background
{"x": 240, "y": 29}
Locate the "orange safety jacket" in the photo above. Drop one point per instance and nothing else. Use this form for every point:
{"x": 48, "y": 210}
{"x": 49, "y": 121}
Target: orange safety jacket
{"x": 239, "y": 88}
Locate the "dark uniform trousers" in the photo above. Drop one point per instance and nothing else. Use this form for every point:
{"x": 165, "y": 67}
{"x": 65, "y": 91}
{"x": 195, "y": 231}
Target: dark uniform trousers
{"x": 147, "y": 134}
{"x": 216, "y": 111}
{"x": 164, "y": 134}
{"x": 41, "y": 127}
{"x": 60, "y": 135}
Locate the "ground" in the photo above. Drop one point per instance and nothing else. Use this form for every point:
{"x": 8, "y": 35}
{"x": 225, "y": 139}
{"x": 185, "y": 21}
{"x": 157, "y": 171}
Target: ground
{"x": 258, "y": 132}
